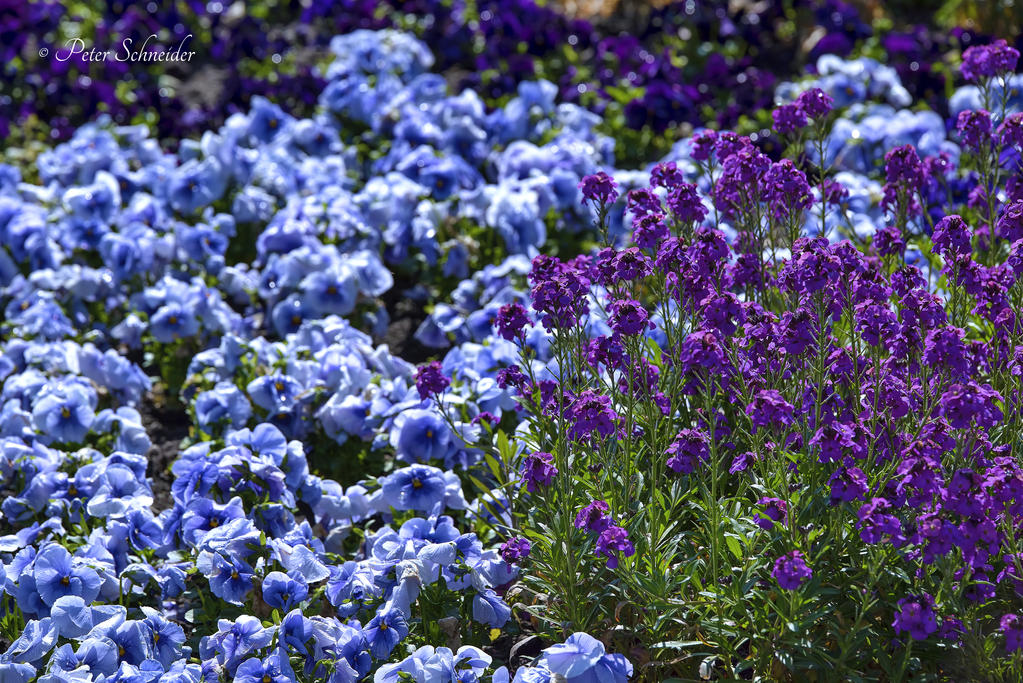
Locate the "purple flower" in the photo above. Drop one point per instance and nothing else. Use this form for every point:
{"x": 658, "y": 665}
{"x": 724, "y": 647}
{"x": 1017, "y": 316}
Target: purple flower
{"x": 791, "y": 570}
{"x": 769, "y": 408}
{"x": 701, "y": 350}
{"x": 594, "y": 517}
{"x": 591, "y": 412}
{"x": 902, "y": 166}
{"x": 945, "y": 350}
{"x": 1015, "y": 260}
{"x": 538, "y": 470}
{"x": 962, "y": 403}
{"x": 629, "y": 265}
{"x": 951, "y": 237}
{"x": 775, "y": 509}
{"x": 512, "y": 320}
{"x": 685, "y": 204}
{"x": 723, "y": 313}
{"x": 703, "y": 145}
{"x": 876, "y": 322}
{"x": 559, "y": 291}
{"x": 788, "y": 118}
{"x": 815, "y": 102}
{"x": 515, "y": 549}
{"x": 649, "y": 231}
{"x": 1010, "y": 132}
{"x": 785, "y": 188}
{"x": 985, "y": 61}
{"x": 688, "y": 450}
{"x": 613, "y": 540}
{"x": 599, "y": 188}
{"x": 628, "y": 317}
{"x": 1011, "y": 626}
{"x": 430, "y": 380}
{"x": 875, "y": 522}
{"x": 813, "y": 266}
{"x": 974, "y": 128}
{"x": 833, "y": 439}
{"x": 847, "y": 484}
{"x": 888, "y": 241}
{"x": 1010, "y": 223}
{"x": 916, "y": 617}
{"x": 666, "y": 174}
{"x": 642, "y": 202}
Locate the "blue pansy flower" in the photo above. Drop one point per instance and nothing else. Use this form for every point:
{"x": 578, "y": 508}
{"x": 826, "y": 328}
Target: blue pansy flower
{"x": 418, "y": 487}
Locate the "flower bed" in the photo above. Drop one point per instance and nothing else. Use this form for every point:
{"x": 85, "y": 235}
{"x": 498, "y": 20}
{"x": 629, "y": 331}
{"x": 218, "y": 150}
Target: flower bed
{"x": 722, "y": 416}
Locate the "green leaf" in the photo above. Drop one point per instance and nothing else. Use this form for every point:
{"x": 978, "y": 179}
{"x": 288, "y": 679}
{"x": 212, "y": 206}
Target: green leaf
{"x": 733, "y": 544}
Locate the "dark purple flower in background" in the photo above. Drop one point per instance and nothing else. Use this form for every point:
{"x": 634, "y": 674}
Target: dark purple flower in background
{"x": 791, "y": 570}
{"x": 599, "y": 188}
{"x": 963, "y": 403}
{"x": 815, "y": 102}
{"x": 594, "y": 517}
{"x": 512, "y": 320}
{"x": 902, "y": 166}
{"x": 788, "y": 118}
{"x": 974, "y": 128}
{"x": 538, "y": 470}
{"x": 591, "y": 412}
{"x": 430, "y": 380}
{"x": 915, "y": 616}
{"x": 768, "y": 409}
{"x": 685, "y": 203}
{"x": 1011, "y": 626}
{"x": 986, "y": 61}
{"x": 876, "y": 522}
{"x": 951, "y": 237}
{"x": 847, "y": 484}
{"x": 1010, "y": 132}
{"x": 774, "y": 509}
{"x": 689, "y": 449}
{"x": 515, "y": 549}
{"x": 666, "y": 174}
{"x": 614, "y": 540}
{"x": 628, "y": 317}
